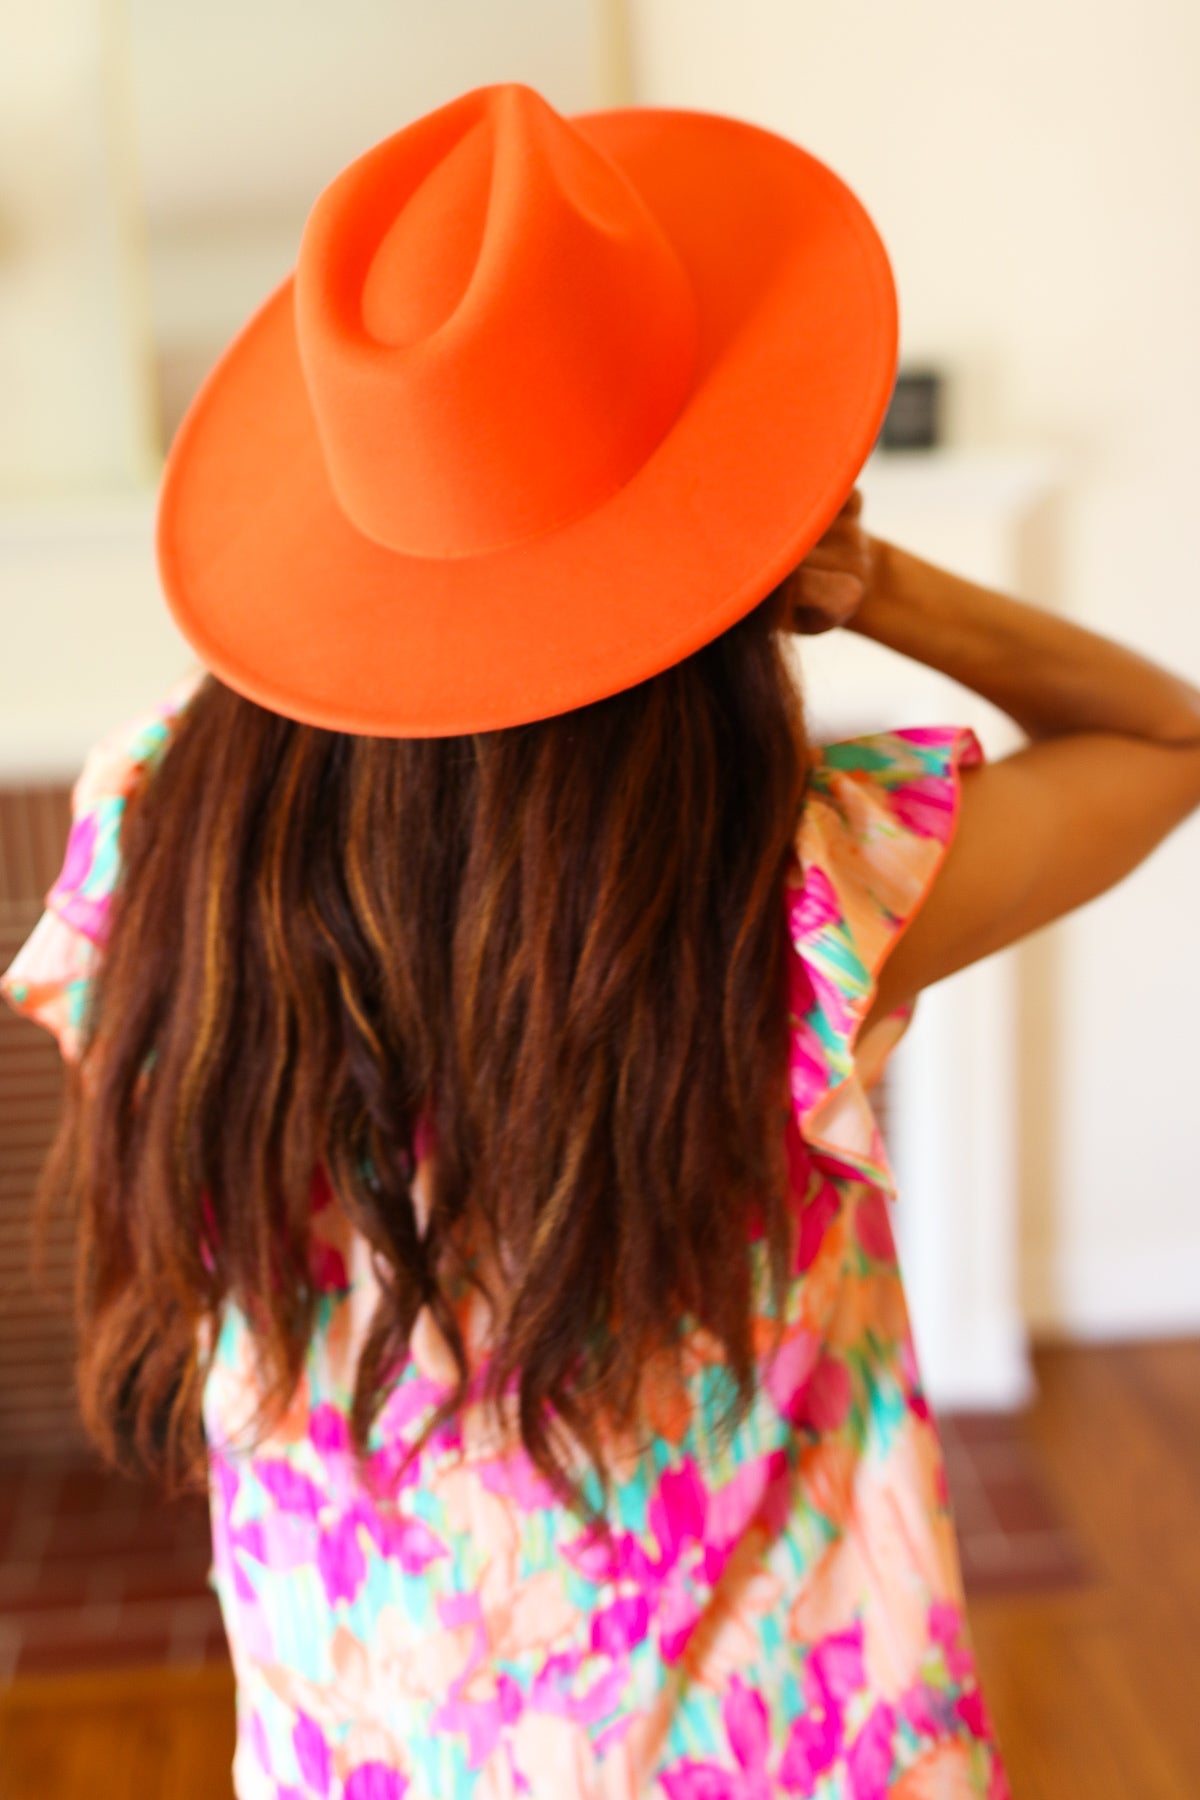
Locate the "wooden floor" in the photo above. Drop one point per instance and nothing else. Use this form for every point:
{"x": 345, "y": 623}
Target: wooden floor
{"x": 1096, "y": 1691}
{"x": 1095, "y": 1688}
{"x": 161, "y": 1734}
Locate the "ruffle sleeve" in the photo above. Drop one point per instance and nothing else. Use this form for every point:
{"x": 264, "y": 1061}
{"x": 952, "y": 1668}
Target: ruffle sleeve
{"x": 49, "y": 978}
{"x": 879, "y": 816}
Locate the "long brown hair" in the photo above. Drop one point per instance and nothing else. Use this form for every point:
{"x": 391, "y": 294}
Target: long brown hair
{"x": 567, "y": 938}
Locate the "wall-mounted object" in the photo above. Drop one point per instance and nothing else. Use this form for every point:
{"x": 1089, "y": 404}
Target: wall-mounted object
{"x": 914, "y": 417}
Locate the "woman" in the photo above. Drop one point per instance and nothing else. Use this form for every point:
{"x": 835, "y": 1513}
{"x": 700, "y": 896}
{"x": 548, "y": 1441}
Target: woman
{"x": 471, "y": 984}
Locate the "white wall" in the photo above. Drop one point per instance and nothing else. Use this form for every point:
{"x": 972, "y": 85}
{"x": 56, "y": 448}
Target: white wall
{"x": 247, "y": 107}
{"x": 1035, "y": 171}
{"x": 75, "y": 392}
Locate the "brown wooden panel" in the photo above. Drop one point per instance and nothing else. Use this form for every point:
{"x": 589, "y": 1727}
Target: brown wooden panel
{"x": 37, "y": 1403}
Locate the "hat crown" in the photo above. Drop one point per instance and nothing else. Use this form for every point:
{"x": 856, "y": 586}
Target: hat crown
{"x": 494, "y": 330}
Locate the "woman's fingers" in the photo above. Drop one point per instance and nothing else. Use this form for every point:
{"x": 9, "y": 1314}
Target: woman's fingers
{"x": 829, "y": 596}
{"x": 828, "y": 587}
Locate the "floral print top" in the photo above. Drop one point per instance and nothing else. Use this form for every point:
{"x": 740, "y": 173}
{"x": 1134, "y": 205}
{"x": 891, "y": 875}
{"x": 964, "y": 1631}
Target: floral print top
{"x": 779, "y": 1610}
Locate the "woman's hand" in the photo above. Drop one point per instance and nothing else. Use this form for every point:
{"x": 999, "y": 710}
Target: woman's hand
{"x": 832, "y": 582}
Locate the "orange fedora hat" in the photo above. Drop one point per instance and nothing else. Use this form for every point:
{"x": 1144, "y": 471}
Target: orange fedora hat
{"x": 547, "y": 404}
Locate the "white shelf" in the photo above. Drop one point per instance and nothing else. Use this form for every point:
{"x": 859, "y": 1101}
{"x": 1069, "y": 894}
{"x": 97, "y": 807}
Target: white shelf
{"x": 996, "y": 482}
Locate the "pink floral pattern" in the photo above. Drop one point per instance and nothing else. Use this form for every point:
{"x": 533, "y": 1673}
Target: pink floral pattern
{"x": 778, "y": 1610}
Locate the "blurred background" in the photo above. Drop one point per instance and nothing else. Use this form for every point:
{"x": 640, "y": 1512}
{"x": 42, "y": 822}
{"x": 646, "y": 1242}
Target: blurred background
{"x": 1035, "y": 172}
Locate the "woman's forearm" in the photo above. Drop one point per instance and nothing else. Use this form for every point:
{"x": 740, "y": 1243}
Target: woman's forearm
{"x": 1050, "y": 676}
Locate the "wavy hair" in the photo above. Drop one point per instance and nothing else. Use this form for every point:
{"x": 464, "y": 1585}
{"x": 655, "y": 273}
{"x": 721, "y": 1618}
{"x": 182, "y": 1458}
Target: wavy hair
{"x": 566, "y": 939}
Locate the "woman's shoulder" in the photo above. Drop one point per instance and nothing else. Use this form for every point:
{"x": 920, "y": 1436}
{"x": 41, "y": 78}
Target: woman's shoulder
{"x": 880, "y": 810}
{"x": 49, "y": 977}
{"x": 115, "y": 760}
{"x": 879, "y": 814}
{"x": 907, "y": 776}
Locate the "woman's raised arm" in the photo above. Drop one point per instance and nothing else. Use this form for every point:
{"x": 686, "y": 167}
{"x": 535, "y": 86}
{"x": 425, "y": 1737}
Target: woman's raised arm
{"x": 1112, "y": 767}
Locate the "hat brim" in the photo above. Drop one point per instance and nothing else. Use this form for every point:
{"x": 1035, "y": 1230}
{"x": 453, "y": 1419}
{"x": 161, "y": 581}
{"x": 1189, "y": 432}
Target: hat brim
{"x": 293, "y": 607}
